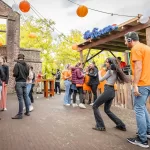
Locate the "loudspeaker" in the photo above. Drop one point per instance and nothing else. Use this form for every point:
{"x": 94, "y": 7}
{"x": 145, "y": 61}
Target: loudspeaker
{"x": 129, "y": 39}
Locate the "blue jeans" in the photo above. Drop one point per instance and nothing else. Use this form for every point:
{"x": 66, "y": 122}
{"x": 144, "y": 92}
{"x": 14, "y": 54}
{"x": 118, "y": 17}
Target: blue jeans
{"x": 142, "y": 115}
{"x": 29, "y": 85}
{"x": 21, "y": 90}
{"x": 67, "y": 97}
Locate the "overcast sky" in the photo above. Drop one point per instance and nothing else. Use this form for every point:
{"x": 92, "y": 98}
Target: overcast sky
{"x": 64, "y": 13}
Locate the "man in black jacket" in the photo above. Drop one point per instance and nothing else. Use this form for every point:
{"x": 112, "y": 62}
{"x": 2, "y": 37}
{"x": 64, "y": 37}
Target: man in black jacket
{"x": 57, "y": 81}
{"x": 94, "y": 80}
{"x": 21, "y": 72}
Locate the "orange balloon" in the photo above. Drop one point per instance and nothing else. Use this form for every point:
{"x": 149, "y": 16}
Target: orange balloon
{"x": 24, "y": 6}
{"x": 1, "y": 44}
{"x": 75, "y": 47}
{"x": 32, "y": 35}
{"x": 82, "y": 11}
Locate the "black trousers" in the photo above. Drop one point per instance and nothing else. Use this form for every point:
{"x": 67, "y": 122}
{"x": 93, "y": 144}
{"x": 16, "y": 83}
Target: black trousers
{"x": 31, "y": 94}
{"x": 106, "y": 98}
{"x": 94, "y": 91}
{"x": 89, "y": 96}
{"x": 57, "y": 87}
{"x": 80, "y": 90}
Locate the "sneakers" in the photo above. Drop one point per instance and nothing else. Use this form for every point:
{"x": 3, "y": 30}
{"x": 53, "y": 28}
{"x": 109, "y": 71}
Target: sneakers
{"x": 148, "y": 135}
{"x": 121, "y": 127}
{"x": 31, "y": 108}
{"x": 91, "y": 104}
{"x": 82, "y": 106}
{"x": 74, "y": 105}
{"x": 27, "y": 113}
{"x": 66, "y": 104}
{"x": 4, "y": 109}
{"x": 138, "y": 142}
{"x": 17, "y": 117}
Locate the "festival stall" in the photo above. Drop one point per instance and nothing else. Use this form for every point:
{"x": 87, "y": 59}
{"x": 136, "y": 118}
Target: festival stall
{"x": 111, "y": 38}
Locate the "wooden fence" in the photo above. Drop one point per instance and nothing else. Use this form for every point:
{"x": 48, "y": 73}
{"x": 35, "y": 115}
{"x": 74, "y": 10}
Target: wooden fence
{"x": 124, "y": 97}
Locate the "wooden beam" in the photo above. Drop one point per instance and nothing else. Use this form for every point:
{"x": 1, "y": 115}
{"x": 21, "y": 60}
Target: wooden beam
{"x": 3, "y": 31}
{"x": 112, "y": 53}
{"x": 106, "y": 49}
{"x": 112, "y": 47}
{"x": 117, "y": 35}
{"x": 129, "y": 21}
{"x": 115, "y": 44}
{"x": 94, "y": 55}
{"x": 148, "y": 36}
{"x": 3, "y": 16}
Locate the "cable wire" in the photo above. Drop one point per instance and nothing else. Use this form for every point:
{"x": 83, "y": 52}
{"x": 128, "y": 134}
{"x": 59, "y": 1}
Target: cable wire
{"x": 104, "y": 12}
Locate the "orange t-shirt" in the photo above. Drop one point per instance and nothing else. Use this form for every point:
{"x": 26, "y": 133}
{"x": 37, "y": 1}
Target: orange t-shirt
{"x": 101, "y": 84}
{"x": 85, "y": 86}
{"x": 141, "y": 52}
{"x": 66, "y": 74}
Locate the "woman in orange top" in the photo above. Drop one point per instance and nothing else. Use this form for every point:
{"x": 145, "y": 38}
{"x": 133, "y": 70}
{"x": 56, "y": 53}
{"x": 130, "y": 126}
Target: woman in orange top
{"x": 102, "y": 72}
{"x": 86, "y": 88}
{"x": 66, "y": 75}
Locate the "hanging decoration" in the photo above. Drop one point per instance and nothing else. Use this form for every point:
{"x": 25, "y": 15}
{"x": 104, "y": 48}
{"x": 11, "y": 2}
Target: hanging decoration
{"x": 1, "y": 44}
{"x": 144, "y": 19}
{"x": 32, "y": 35}
{"x": 24, "y": 6}
{"x": 96, "y": 32}
{"x": 15, "y": 7}
{"x": 75, "y": 47}
{"x": 82, "y": 11}
{"x": 104, "y": 12}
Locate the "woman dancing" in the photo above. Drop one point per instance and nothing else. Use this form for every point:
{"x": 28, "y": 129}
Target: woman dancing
{"x": 113, "y": 74}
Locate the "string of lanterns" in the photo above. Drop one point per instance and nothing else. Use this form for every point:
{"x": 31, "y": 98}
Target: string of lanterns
{"x": 81, "y": 11}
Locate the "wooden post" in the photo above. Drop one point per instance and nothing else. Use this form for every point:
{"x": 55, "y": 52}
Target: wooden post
{"x": 126, "y": 58}
{"x": 148, "y": 36}
{"x": 148, "y": 43}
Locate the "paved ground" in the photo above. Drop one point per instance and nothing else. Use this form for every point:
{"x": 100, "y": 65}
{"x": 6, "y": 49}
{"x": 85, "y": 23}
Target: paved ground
{"x": 52, "y": 126}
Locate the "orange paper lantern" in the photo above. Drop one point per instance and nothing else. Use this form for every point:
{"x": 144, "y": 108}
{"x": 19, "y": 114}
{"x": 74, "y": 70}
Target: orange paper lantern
{"x": 82, "y": 11}
{"x": 1, "y": 44}
{"x": 75, "y": 47}
{"x": 24, "y": 6}
{"x": 32, "y": 35}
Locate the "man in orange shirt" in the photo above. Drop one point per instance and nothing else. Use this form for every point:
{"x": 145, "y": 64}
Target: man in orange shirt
{"x": 140, "y": 55}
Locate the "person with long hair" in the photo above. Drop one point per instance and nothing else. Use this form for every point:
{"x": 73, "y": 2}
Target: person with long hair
{"x": 94, "y": 80}
{"x": 79, "y": 84}
{"x": 4, "y": 84}
{"x": 102, "y": 72}
{"x": 67, "y": 76}
{"x": 114, "y": 74}
{"x": 2, "y": 78}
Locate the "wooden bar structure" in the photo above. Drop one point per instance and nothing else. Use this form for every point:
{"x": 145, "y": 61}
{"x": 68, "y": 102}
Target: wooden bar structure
{"x": 48, "y": 87}
{"x": 114, "y": 42}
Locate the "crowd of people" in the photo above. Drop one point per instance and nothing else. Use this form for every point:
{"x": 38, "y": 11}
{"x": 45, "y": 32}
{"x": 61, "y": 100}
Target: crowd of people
{"x": 76, "y": 79}
{"x": 86, "y": 82}
{"x": 25, "y": 80}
